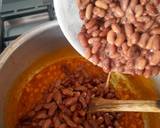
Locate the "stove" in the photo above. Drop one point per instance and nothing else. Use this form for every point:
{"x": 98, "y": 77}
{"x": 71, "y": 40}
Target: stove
{"x": 19, "y": 16}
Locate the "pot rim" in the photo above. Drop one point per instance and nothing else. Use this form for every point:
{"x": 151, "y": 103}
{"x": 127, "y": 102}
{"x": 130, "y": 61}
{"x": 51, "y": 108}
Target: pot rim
{"x": 21, "y": 40}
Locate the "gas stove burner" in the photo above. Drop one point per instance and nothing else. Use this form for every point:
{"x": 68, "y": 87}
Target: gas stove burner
{"x": 22, "y": 12}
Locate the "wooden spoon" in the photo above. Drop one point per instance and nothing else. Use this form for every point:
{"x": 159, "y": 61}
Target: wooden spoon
{"x": 105, "y": 105}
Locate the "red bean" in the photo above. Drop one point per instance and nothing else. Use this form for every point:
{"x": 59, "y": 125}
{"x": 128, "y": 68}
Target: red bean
{"x": 47, "y": 123}
{"x": 52, "y": 109}
{"x": 155, "y": 59}
{"x": 41, "y": 115}
{"x": 95, "y": 47}
{"x": 69, "y": 121}
{"x": 57, "y": 96}
{"x": 63, "y": 126}
{"x": 56, "y": 121}
{"x": 82, "y": 39}
{"x": 67, "y": 91}
{"x": 140, "y": 63}
{"x": 70, "y": 101}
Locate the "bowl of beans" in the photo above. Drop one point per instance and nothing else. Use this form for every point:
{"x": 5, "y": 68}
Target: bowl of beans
{"x": 119, "y": 36}
{"x": 53, "y": 87}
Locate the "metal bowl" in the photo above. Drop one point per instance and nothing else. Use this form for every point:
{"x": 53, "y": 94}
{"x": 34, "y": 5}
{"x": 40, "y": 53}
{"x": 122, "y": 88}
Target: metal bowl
{"x": 18, "y": 56}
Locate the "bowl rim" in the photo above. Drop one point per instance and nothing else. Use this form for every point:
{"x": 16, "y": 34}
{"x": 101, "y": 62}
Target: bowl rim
{"x": 67, "y": 25}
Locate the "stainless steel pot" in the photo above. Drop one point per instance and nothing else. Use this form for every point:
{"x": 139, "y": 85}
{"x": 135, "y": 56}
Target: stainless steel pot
{"x": 23, "y": 52}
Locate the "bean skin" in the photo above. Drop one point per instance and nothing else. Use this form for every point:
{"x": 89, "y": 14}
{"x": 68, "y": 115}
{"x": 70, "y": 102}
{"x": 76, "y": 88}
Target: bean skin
{"x": 156, "y": 31}
{"x": 143, "y": 40}
{"x": 150, "y": 43}
{"x": 56, "y": 121}
{"x": 70, "y": 101}
{"x": 94, "y": 59}
{"x": 63, "y": 126}
{"x": 93, "y": 40}
{"x": 140, "y": 63}
{"x": 133, "y": 4}
{"x": 87, "y": 52}
{"x": 104, "y": 32}
{"x": 89, "y": 10}
{"x": 116, "y": 28}
{"x": 128, "y": 30}
{"x": 135, "y": 38}
{"x": 96, "y": 47}
{"x": 91, "y": 23}
{"x": 101, "y": 4}
{"x": 111, "y": 37}
{"x": 139, "y": 10}
{"x": 130, "y": 16}
{"x": 151, "y": 9}
{"x": 57, "y": 96}
{"x": 41, "y": 115}
{"x": 68, "y": 91}
{"x": 118, "y": 12}
{"x": 99, "y": 12}
{"x": 52, "y": 109}
{"x": 92, "y": 29}
{"x": 69, "y": 121}
{"x": 156, "y": 42}
{"x": 82, "y": 4}
{"x": 143, "y": 2}
{"x": 95, "y": 33}
{"x": 155, "y": 59}
{"x": 47, "y": 123}
{"x": 120, "y": 39}
{"x": 82, "y": 39}
{"x": 124, "y": 4}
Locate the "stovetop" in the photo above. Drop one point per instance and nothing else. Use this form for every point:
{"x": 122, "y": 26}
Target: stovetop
{"x": 19, "y": 16}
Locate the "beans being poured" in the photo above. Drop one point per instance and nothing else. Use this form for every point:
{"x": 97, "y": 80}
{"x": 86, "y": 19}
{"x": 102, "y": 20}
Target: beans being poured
{"x": 122, "y": 35}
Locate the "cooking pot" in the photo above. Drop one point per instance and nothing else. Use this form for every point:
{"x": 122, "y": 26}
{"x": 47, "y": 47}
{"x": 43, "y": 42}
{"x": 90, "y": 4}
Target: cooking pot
{"x": 21, "y": 53}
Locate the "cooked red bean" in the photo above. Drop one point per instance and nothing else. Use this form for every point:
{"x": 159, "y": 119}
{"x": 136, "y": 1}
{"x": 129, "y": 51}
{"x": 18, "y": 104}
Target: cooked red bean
{"x": 139, "y": 10}
{"x": 56, "y": 121}
{"x": 140, "y": 63}
{"x": 41, "y": 115}
{"x": 99, "y": 12}
{"x": 135, "y": 22}
{"x": 47, "y": 123}
{"x": 82, "y": 39}
{"x": 124, "y": 4}
{"x": 69, "y": 121}
{"x": 70, "y": 101}
{"x": 63, "y": 126}
{"x": 57, "y": 96}
{"x": 89, "y": 10}
{"x": 52, "y": 109}
{"x": 69, "y": 108}
{"x": 67, "y": 91}
{"x": 155, "y": 59}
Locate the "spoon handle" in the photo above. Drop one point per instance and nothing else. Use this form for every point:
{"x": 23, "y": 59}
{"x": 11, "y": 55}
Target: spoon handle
{"x": 105, "y": 105}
